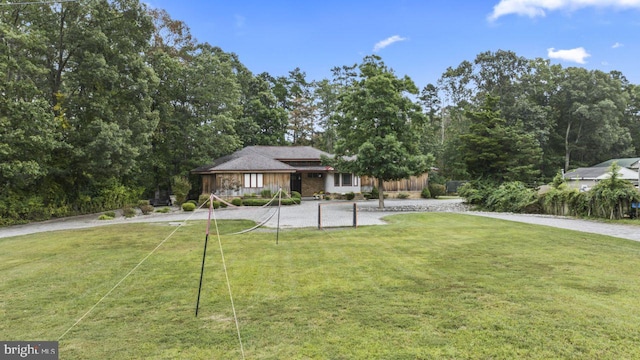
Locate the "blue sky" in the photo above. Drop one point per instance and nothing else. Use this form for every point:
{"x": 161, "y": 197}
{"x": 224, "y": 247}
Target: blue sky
{"x": 415, "y": 38}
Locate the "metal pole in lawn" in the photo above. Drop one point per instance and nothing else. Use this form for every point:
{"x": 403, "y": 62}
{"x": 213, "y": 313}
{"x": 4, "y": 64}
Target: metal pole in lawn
{"x": 204, "y": 254}
{"x": 279, "y": 206}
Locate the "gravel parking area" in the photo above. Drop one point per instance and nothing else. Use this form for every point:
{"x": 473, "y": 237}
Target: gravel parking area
{"x": 334, "y": 213}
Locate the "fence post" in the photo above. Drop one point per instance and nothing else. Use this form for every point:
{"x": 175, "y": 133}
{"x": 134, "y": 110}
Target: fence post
{"x": 355, "y": 215}
{"x": 319, "y": 216}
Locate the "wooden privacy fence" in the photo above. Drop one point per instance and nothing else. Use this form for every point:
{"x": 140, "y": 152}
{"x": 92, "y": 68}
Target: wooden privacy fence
{"x": 414, "y": 183}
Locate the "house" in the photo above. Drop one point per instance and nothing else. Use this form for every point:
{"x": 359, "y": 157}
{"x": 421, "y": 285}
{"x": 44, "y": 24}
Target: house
{"x": 290, "y": 168}
{"x": 630, "y": 163}
{"x": 586, "y": 178}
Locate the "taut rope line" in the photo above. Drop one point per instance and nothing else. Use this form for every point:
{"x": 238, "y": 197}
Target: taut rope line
{"x": 126, "y": 276}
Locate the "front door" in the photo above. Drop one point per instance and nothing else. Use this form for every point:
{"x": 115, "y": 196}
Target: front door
{"x": 296, "y": 183}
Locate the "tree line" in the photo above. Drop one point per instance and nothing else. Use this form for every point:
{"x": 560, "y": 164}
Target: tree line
{"x": 105, "y": 101}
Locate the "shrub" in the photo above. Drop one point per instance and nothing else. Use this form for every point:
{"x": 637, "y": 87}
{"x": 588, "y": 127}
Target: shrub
{"x": 111, "y": 214}
{"x": 188, "y": 206}
{"x": 350, "y": 195}
{"x": 476, "y": 192}
{"x": 437, "y": 190}
{"x": 374, "y": 193}
{"x": 512, "y": 197}
{"x": 425, "y": 194}
{"x": 193, "y": 202}
{"x": 403, "y": 196}
{"x": 290, "y": 201}
{"x": 296, "y": 195}
{"x": 266, "y": 193}
{"x": 163, "y": 210}
{"x": 216, "y": 204}
{"x": 128, "y": 211}
{"x": 145, "y": 207}
{"x": 180, "y": 186}
{"x": 254, "y": 202}
{"x": 105, "y": 217}
{"x": 237, "y": 202}
{"x": 204, "y": 199}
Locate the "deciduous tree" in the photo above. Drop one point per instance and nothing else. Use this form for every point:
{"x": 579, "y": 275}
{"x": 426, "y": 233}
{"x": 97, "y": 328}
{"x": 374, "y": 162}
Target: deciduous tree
{"x": 378, "y": 125}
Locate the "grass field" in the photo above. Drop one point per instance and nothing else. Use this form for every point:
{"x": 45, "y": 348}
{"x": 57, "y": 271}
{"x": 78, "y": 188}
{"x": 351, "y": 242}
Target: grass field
{"x": 427, "y": 286}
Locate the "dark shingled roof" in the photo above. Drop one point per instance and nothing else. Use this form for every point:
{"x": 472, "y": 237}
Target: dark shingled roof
{"x": 586, "y": 173}
{"x": 631, "y": 163}
{"x": 263, "y": 158}
{"x": 593, "y": 173}
{"x": 287, "y": 153}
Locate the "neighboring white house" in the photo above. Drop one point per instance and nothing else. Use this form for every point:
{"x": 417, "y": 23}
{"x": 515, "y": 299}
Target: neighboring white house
{"x": 586, "y": 178}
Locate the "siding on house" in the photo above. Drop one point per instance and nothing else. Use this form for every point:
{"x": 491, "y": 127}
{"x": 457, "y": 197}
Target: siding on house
{"x": 232, "y": 184}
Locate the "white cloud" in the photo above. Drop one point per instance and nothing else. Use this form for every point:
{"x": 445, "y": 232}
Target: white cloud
{"x": 573, "y": 55}
{"x": 388, "y": 41}
{"x": 533, "y": 8}
{"x": 617, "y": 45}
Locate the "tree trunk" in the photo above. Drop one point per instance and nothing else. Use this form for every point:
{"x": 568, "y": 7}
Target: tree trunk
{"x": 380, "y": 194}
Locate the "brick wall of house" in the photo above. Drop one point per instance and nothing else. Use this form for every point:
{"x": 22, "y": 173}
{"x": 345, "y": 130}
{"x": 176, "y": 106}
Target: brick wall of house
{"x": 311, "y": 185}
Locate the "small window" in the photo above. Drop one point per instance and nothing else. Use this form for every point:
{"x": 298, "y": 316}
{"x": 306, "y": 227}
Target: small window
{"x": 347, "y": 179}
{"x": 344, "y": 179}
{"x": 253, "y": 181}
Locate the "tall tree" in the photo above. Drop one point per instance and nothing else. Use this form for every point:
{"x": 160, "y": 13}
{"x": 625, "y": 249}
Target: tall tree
{"x": 263, "y": 121}
{"x": 29, "y": 131}
{"x": 498, "y": 152}
{"x": 326, "y": 100}
{"x": 378, "y": 123}
{"x": 589, "y": 106}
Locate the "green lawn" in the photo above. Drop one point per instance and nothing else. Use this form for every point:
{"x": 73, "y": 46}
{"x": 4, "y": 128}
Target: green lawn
{"x": 428, "y": 286}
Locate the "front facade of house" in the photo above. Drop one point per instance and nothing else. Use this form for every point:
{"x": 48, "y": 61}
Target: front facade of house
{"x": 290, "y": 168}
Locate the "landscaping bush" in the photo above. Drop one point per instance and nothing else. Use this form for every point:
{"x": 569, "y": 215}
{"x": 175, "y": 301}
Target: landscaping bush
{"x": 105, "y": 217}
{"x": 128, "y": 211}
{"x": 145, "y": 207}
{"x": 512, "y": 197}
{"x": 237, "y": 201}
{"x": 255, "y": 202}
{"x": 163, "y": 210}
{"x": 204, "y": 199}
{"x": 611, "y": 197}
{"x": 180, "y": 186}
{"x": 266, "y": 193}
{"x": 425, "y": 194}
{"x": 296, "y": 195}
{"x": 188, "y": 206}
{"x": 476, "y": 192}
{"x": 403, "y": 196}
{"x": 437, "y": 190}
{"x": 111, "y": 214}
{"x": 350, "y": 195}
{"x": 374, "y": 193}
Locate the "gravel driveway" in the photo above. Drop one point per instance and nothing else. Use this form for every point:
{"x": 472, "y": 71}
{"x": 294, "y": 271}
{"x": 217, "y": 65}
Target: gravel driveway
{"x": 334, "y": 213}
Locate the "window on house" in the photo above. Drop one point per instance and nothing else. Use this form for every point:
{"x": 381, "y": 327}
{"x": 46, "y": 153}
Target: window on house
{"x": 345, "y": 179}
{"x": 253, "y": 181}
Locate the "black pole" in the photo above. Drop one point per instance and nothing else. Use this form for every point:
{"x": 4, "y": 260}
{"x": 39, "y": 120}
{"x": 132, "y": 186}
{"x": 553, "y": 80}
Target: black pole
{"x": 204, "y": 253}
{"x": 206, "y": 240}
